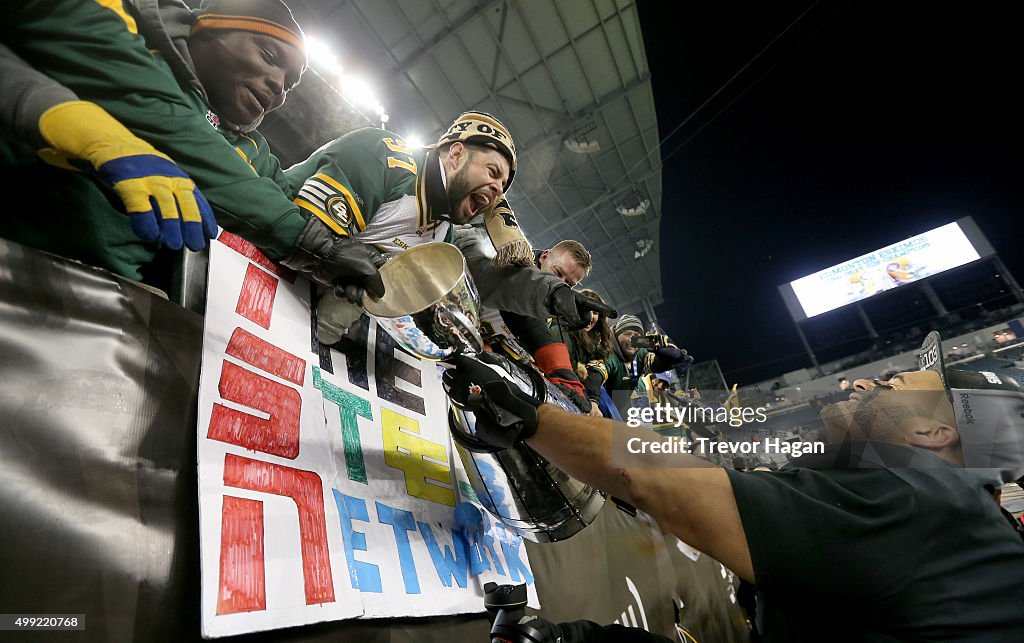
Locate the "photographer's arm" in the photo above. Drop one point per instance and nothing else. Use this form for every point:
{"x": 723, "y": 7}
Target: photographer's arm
{"x": 664, "y": 355}
{"x": 692, "y": 499}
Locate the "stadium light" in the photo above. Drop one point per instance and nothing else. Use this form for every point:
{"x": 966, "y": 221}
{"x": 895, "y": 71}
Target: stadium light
{"x": 585, "y": 146}
{"x": 359, "y": 90}
{"x": 413, "y": 142}
{"x": 634, "y": 210}
{"x": 355, "y": 88}
{"x": 322, "y": 56}
{"x": 642, "y": 247}
{"x": 581, "y": 139}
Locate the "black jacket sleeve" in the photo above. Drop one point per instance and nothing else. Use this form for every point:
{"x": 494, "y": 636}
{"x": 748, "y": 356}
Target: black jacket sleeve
{"x": 667, "y": 358}
{"x": 531, "y": 331}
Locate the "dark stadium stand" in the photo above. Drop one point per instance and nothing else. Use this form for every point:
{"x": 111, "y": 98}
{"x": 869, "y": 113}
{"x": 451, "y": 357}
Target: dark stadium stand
{"x": 997, "y": 365}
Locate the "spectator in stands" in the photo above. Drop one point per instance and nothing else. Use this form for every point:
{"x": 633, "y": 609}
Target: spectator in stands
{"x": 161, "y": 202}
{"x": 592, "y": 342}
{"x": 545, "y": 340}
{"x": 568, "y": 260}
{"x": 925, "y": 547}
{"x": 534, "y": 292}
{"x": 844, "y": 384}
{"x": 663, "y": 394}
{"x": 623, "y": 369}
{"x": 234, "y": 62}
{"x": 549, "y": 341}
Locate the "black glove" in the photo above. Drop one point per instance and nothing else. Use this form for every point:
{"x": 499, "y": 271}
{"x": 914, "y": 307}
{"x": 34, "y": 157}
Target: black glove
{"x": 592, "y": 385}
{"x": 333, "y": 260}
{"x": 504, "y": 413}
{"x": 670, "y": 357}
{"x": 685, "y": 361}
{"x": 574, "y": 308}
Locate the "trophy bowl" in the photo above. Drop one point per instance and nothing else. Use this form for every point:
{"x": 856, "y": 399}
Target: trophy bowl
{"x": 431, "y": 307}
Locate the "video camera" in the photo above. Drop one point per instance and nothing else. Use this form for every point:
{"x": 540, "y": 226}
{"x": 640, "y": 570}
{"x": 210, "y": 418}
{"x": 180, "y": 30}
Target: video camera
{"x": 506, "y": 605}
{"x": 651, "y": 341}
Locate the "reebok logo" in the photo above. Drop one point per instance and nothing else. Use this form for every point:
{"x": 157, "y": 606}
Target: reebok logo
{"x": 965, "y": 402}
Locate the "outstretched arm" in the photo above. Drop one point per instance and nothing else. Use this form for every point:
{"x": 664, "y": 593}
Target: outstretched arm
{"x": 688, "y": 496}
{"x": 692, "y": 499}
{"x": 524, "y": 291}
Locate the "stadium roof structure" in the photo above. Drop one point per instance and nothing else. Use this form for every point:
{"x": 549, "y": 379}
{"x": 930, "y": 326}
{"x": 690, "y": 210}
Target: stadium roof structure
{"x": 570, "y": 80}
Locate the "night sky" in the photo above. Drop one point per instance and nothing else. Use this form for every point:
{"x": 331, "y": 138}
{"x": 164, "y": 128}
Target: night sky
{"x": 867, "y": 123}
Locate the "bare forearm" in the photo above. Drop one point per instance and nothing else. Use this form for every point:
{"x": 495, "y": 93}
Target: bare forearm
{"x": 582, "y": 446}
{"x": 559, "y": 438}
{"x": 689, "y": 496}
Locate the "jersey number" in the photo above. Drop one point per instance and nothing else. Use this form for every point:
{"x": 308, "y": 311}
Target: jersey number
{"x": 399, "y": 146}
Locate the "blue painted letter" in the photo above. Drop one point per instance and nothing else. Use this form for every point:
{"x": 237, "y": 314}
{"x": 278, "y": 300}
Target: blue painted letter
{"x": 446, "y": 565}
{"x": 365, "y": 576}
{"x": 401, "y": 522}
{"x": 515, "y": 564}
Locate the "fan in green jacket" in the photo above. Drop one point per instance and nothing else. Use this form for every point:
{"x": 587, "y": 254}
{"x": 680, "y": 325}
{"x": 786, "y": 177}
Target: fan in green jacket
{"x": 194, "y": 88}
{"x": 623, "y": 369}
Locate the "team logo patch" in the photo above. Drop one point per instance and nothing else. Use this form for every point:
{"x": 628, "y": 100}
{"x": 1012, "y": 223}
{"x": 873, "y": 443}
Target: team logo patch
{"x": 338, "y": 210}
{"x": 508, "y": 217}
{"x": 212, "y": 118}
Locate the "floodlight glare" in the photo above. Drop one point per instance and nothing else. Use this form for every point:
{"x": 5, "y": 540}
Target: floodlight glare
{"x": 321, "y": 55}
{"x": 359, "y": 90}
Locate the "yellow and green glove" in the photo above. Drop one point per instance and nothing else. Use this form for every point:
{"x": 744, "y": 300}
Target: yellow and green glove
{"x": 162, "y": 202}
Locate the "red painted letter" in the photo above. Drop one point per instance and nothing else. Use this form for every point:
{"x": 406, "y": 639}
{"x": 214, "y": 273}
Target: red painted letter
{"x": 256, "y": 299}
{"x": 266, "y": 357}
{"x": 278, "y": 435}
{"x": 306, "y": 490}
{"x": 252, "y": 253}
{"x": 242, "y": 581}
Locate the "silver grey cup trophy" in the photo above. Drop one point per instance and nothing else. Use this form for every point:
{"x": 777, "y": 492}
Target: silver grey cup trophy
{"x": 432, "y": 309}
